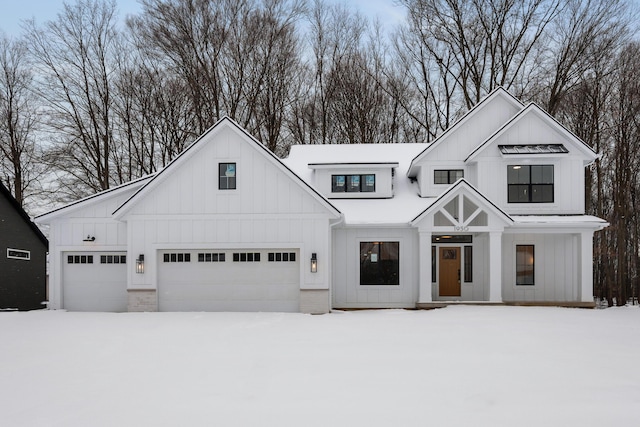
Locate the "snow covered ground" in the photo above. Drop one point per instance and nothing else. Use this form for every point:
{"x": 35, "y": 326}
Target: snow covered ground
{"x": 471, "y": 366}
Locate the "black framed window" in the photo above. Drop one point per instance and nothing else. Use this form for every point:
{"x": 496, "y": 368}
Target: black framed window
{"x": 468, "y": 264}
{"x": 530, "y": 183}
{"x": 525, "y": 266}
{"x": 449, "y": 176}
{"x": 433, "y": 264}
{"x": 177, "y": 257}
{"x": 379, "y": 263}
{"x": 246, "y": 257}
{"x": 227, "y": 176}
{"x": 353, "y": 183}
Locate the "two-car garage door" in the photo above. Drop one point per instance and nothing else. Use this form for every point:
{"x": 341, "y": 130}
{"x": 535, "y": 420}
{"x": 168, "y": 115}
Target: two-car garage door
{"x": 229, "y": 280}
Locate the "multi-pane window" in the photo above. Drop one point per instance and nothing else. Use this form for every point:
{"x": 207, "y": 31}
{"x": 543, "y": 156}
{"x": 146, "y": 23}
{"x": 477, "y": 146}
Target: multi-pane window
{"x": 113, "y": 259}
{"x": 227, "y": 176}
{"x": 530, "y": 183}
{"x": 282, "y": 256}
{"x": 18, "y": 254}
{"x": 80, "y": 259}
{"x": 177, "y": 257}
{"x": 211, "y": 257}
{"x": 525, "y": 268}
{"x": 353, "y": 183}
{"x": 447, "y": 176}
{"x": 379, "y": 263}
{"x": 246, "y": 257}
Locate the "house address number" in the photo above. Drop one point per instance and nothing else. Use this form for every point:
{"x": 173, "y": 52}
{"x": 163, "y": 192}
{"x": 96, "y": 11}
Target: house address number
{"x": 461, "y": 228}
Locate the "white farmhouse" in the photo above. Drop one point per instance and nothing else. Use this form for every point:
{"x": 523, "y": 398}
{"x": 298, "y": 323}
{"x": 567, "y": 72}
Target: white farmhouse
{"x": 490, "y": 212}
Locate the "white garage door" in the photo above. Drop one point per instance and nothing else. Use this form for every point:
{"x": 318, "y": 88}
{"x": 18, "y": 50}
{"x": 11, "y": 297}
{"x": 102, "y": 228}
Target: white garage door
{"x": 94, "y": 281}
{"x": 229, "y": 280}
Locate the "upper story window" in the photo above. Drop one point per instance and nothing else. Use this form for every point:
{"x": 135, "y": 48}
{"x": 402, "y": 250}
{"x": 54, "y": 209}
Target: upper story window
{"x": 353, "y": 183}
{"x": 530, "y": 183}
{"x": 227, "y": 176}
{"x": 447, "y": 176}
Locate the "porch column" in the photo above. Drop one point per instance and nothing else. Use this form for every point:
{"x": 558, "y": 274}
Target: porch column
{"x": 424, "y": 263}
{"x": 495, "y": 266}
{"x": 586, "y": 266}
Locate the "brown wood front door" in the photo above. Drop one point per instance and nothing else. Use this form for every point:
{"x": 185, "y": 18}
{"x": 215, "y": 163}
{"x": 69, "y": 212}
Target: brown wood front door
{"x": 449, "y": 277}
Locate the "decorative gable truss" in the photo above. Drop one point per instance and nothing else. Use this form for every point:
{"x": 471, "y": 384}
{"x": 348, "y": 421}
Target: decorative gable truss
{"x": 462, "y": 208}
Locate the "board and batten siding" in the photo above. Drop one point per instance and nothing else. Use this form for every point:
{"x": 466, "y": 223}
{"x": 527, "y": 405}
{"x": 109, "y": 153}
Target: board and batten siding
{"x": 346, "y": 289}
{"x": 568, "y": 178}
{"x": 556, "y": 260}
{"x": 268, "y": 209}
{"x": 68, "y": 234}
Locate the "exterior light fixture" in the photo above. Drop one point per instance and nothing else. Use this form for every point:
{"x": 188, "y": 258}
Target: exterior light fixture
{"x": 89, "y": 238}
{"x": 140, "y": 264}
{"x": 314, "y": 263}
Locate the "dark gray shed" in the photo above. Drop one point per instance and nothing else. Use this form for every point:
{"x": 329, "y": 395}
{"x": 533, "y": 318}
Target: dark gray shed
{"x": 23, "y": 257}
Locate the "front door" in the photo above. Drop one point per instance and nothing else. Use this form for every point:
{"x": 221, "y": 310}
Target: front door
{"x": 449, "y": 277}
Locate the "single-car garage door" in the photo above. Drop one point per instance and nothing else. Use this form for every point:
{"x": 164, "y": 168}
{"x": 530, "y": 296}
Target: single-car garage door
{"x": 229, "y": 280}
{"x": 94, "y": 281}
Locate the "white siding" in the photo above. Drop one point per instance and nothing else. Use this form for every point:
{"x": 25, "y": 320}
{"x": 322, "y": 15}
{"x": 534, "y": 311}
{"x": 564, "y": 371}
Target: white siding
{"x": 346, "y": 289}
{"x": 268, "y": 209}
{"x": 556, "y": 267}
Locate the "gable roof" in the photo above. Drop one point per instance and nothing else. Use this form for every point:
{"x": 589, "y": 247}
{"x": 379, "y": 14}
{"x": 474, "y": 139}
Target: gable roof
{"x": 78, "y": 204}
{"x": 533, "y": 108}
{"x": 462, "y": 184}
{"x": 195, "y": 147}
{"x": 497, "y": 92}
{"x": 23, "y": 214}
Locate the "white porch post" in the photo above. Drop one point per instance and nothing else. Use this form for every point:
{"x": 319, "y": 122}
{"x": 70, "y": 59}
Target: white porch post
{"x": 586, "y": 266}
{"x": 424, "y": 262}
{"x": 495, "y": 266}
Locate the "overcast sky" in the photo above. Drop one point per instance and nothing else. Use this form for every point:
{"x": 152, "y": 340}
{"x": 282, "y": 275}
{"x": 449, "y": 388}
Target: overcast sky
{"x": 12, "y": 12}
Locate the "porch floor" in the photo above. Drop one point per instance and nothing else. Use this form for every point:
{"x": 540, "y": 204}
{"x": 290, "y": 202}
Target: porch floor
{"x": 569, "y": 304}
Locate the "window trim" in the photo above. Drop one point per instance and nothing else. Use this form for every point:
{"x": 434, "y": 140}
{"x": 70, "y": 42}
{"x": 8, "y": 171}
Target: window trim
{"x": 22, "y": 251}
{"x": 532, "y": 265}
{"x": 361, "y": 261}
{"x": 530, "y": 185}
{"x": 347, "y": 180}
{"x": 451, "y": 176}
{"x": 227, "y": 180}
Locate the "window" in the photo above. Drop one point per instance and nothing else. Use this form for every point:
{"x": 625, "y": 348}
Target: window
{"x": 113, "y": 259}
{"x": 227, "y": 176}
{"x": 525, "y": 265}
{"x": 468, "y": 264}
{"x": 18, "y": 254}
{"x": 530, "y": 183}
{"x": 282, "y": 256}
{"x": 379, "y": 263}
{"x": 211, "y": 257}
{"x": 80, "y": 259}
{"x": 447, "y": 176}
{"x": 246, "y": 257}
{"x": 433, "y": 264}
{"x": 353, "y": 183}
{"x": 177, "y": 257}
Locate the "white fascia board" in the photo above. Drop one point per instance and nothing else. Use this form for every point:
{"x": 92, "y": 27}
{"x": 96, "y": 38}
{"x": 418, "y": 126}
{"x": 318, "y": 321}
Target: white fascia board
{"x": 98, "y": 197}
{"x": 411, "y": 173}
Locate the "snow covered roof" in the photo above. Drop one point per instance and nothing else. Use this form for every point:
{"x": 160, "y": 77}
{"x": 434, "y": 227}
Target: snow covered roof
{"x": 399, "y": 210}
{"x": 564, "y": 221}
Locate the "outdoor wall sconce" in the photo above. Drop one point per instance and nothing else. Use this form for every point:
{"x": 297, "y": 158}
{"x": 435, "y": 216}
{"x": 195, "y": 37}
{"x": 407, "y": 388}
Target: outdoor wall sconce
{"x": 140, "y": 264}
{"x": 89, "y": 238}
{"x": 314, "y": 263}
